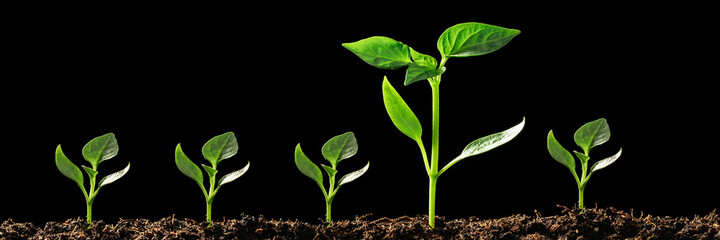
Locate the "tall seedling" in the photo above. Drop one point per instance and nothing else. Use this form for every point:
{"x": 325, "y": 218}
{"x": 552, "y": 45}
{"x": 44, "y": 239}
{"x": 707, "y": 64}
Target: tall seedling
{"x": 96, "y": 151}
{"x": 218, "y": 148}
{"x": 461, "y": 40}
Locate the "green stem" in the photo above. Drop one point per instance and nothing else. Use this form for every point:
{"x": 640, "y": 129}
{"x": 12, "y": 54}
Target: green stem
{"x": 581, "y": 196}
{"x": 89, "y": 213}
{"x": 431, "y": 207}
{"x": 208, "y": 207}
{"x": 433, "y": 174}
{"x": 328, "y": 211}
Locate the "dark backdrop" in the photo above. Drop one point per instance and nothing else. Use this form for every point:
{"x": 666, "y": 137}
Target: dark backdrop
{"x": 278, "y": 76}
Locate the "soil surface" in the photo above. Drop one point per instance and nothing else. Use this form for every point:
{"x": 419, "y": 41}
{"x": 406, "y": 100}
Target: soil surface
{"x": 598, "y": 223}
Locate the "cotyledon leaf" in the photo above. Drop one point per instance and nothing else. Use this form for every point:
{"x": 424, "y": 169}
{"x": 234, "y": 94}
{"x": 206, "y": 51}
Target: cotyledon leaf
{"x": 400, "y": 113}
{"x": 233, "y": 175}
{"x": 187, "y": 167}
{"x": 487, "y": 143}
{"x": 605, "y": 162}
{"x": 559, "y": 153}
{"x": 353, "y": 175}
{"x": 67, "y": 168}
{"x": 114, "y": 177}
{"x": 307, "y": 167}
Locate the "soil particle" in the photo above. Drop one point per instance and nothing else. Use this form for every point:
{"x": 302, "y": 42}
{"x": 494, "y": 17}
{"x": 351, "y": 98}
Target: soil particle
{"x": 606, "y": 223}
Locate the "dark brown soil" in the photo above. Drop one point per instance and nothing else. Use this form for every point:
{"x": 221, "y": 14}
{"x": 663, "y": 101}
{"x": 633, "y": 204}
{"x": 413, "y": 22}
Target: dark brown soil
{"x": 596, "y": 223}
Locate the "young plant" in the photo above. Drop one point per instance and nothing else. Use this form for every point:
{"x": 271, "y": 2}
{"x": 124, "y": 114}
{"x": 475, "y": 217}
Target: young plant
{"x": 336, "y": 149}
{"x": 587, "y": 137}
{"x": 218, "y": 148}
{"x": 96, "y": 151}
{"x": 461, "y": 40}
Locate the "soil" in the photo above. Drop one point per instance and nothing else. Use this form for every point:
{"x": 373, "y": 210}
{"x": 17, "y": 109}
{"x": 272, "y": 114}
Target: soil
{"x": 597, "y": 223}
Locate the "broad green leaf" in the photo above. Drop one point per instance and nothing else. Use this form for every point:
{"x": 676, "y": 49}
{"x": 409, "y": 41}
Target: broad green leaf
{"x": 220, "y": 147}
{"x": 67, "y": 168}
{"x": 233, "y": 175}
{"x": 400, "y": 113}
{"x": 381, "y": 52}
{"x": 559, "y": 153}
{"x": 340, "y": 147}
{"x": 605, "y": 162}
{"x": 487, "y": 143}
{"x": 473, "y": 39}
{"x": 211, "y": 171}
{"x": 100, "y": 149}
{"x": 330, "y": 171}
{"x": 353, "y": 175}
{"x": 307, "y": 167}
{"x": 416, "y": 72}
{"x": 91, "y": 172}
{"x": 423, "y": 59}
{"x": 187, "y": 167}
{"x": 114, "y": 177}
{"x": 592, "y": 134}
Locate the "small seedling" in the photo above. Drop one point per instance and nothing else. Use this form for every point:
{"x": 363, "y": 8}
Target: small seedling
{"x": 336, "y": 149}
{"x": 96, "y": 151}
{"x": 461, "y": 40}
{"x": 218, "y": 148}
{"x": 587, "y": 137}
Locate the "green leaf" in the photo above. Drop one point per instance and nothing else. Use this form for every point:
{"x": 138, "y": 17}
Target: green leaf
{"x": 583, "y": 158}
{"x": 353, "y": 175}
{"x": 113, "y": 177}
{"x": 381, "y": 52}
{"x": 340, "y": 147}
{"x": 67, "y": 168}
{"x": 592, "y": 134}
{"x": 423, "y": 59}
{"x": 400, "y": 113}
{"x": 307, "y": 167}
{"x": 233, "y": 175}
{"x": 91, "y": 172}
{"x": 417, "y": 72}
{"x": 605, "y": 162}
{"x": 487, "y": 143}
{"x": 330, "y": 171}
{"x": 100, "y": 149}
{"x": 559, "y": 153}
{"x": 220, "y": 147}
{"x": 211, "y": 171}
{"x": 473, "y": 39}
{"x": 187, "y": 167}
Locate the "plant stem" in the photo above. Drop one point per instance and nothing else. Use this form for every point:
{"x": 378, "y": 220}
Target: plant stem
{"x": 581, "y": 196}
{"x": 433, "y": 174}
{"x": 328, "y": 210}
{"x": 431, "y": 207}
{"x": 209, "y": 212}
{"x": 89, "y": 213}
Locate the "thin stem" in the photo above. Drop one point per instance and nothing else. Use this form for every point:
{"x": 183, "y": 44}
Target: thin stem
{"x": 328, "y": 211}
{"x": 208, "y": 207}
{"x": 431, "y": 207}
{"x": 424, "y": 155}
{"x": 328, "y": 200}
{"x": 209, "y": 198}
{"x": 89, "y": 214}
{"x": 435, "y": 86}
{"x": 581, "y": 196}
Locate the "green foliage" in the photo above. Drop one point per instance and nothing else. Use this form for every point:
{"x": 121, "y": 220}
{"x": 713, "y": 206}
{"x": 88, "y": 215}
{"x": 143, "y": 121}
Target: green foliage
{"x": 338, "y": 148}
{"x": 218, "y": 148}
{"x": 586, "y": 137}
{"x": 96, "y": 151}
{"x": 461, "y": 40}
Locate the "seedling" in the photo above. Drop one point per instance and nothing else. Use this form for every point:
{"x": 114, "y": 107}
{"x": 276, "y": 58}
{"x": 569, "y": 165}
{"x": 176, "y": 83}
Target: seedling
{"x": 336, "y": 149}
{"x": 587, "y": 137}
{"x": 96, "y": 151}
{"x": 218, "y": 148}
{"x": 461, "y": 40}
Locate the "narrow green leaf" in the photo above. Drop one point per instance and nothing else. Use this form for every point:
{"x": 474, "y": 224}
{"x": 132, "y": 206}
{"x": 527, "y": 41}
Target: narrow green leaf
{"x": 605, "y": 162}
{"x": 473, "y": 39}
{"x": 91, "y": 172}
{"x": 220, "y": 147}
{"x": 583, "y": 158}
{"x": 381, "y": 52}
{"x": 187, "y": 167}
{"x": 67, "y": 168}
{"x": 592, "y": 134}
{"x": 487, "y": 143}
{"x": 211, "y": 171}
{"x": 340, "y": 147}
{"x": 233, "y": 175}
{"x": 307, "y": 167}
{"x": 114, "y": 177}
{"x": 100, "y": 149}
{"x": 400, "y": 113}
{"x": 417, "y": 72}
{"x": 353, "y": 175}
{"x": 559, "y": 153}
{"x": 330, "y": 171}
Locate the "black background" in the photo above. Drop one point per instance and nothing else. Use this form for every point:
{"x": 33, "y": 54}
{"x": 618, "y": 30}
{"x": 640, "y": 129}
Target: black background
{"x": 277, "y": 75}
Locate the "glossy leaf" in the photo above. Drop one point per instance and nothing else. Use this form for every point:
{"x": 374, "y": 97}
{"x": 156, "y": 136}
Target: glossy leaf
{"x": 416, "y": 72}
{"x": 340, "y": 147}
{"x": 220, "y": 147}
{"x": 381, "y": 52}
{"x": 233, "y": 175}
{"x": 605, "y": 162}
{"x": 559, "y": 153}
{"x": 187, "y": 167}
{"x": 100, "y": 149}
{"x": 473, "y": 39}
{"x": 114, "y": 177}
{"x": 592, "y": 134}
{"x": 400, "y": 113}
{"x": 487, "y": 143}
{"x": 307, "y": 167}
{"x": 353, "y": 175}
{"x": 67, "y": 168}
